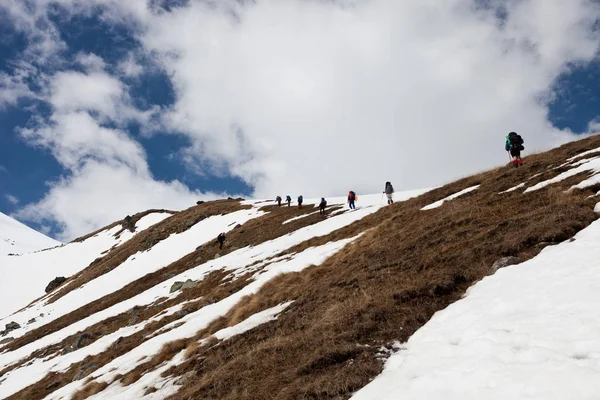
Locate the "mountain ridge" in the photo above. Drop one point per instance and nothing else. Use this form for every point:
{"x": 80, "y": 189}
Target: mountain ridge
{"x": 296, "y": 305}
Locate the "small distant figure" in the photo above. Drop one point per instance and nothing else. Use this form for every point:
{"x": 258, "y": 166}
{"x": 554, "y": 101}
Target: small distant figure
{"x": 300, "y": 200}
{"x": 278, "y": 200}
{"x": 322, "y": 206}
{"x": 514, "y": 145}
{"x": 221, "y": 239}
{"x": 389, "y": 192}
{"x": 351, "y": 199}
{"x": 288, "y": 199}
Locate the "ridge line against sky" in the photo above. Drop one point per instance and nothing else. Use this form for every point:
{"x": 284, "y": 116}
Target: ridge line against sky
{"x": 110, "y": 107}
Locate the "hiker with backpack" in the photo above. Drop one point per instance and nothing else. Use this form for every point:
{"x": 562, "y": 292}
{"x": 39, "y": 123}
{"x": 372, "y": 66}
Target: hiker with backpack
{"x": 300, "y": 200}
{"x": 221, "y": 239}
{"x": 322, "y": 206}
{"x": 278, "y": 200}
{"x": 288, "y": 199}
{"x": 351, "y": 199}
{"x": 389, "y": 192}
{"x": 514, "y": 145}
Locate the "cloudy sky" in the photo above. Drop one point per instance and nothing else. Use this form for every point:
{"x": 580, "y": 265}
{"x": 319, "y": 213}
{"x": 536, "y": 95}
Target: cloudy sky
{"x": 108, "y": 107}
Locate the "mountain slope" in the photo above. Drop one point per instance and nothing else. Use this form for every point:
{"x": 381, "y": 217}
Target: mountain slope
{"x": 296, "y": 305}
{"x": 16, "y": 238}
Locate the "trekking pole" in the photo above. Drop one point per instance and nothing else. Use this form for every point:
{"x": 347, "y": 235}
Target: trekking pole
{"x": 509, "y": 158}
{"x": 381, "y": 200}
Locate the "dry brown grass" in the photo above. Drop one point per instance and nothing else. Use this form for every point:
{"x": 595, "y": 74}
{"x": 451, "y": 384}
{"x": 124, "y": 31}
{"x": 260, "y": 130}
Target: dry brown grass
{"x": 386, "y": 285}
{"x": 380, "y": 289}
{"x": 89, "y": 390}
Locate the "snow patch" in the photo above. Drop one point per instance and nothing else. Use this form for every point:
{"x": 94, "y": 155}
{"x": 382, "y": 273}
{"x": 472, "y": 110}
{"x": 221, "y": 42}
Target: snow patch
{"x": 451, "y": 197}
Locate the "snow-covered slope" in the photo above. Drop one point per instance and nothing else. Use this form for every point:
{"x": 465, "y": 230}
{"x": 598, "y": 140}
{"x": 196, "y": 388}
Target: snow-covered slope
{"x": 23, "y": 278}
{"x": 530, "y": 331}
{"x": 302, "y": 305}
{"x": 16, "y": 238}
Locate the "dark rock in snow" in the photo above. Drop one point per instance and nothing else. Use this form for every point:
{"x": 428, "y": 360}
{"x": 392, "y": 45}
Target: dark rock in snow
{"x": 128, "y": 223}
{"x": 188, "y": 284}
{"x": 135, "y": 315}
{"x": 505, "y": 262}
{"x": 6, "y": 340}
{"x": 199, "y": 202}
{"x": 85, "y": 371}
{"x": 182, "y": 285}
{"x": 54, "y": 283}
{"x": 31, "y": 321}
{"x": 11, "y": 326}
{"x": 176, "y": 286}
{"x": 79, "y": 343}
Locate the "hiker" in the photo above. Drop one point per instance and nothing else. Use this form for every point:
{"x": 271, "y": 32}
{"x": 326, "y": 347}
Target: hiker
{"x": 514, "y": 145}
{"x": 221, "y": 239}
{"x": 322, "y": 206}
{"x": 300, "y": 200}
{"x": 278, "y": 200}
{"x": 288, "y": 199}
{"x": 351, "y": 199}
{"x": 389, "y": 192}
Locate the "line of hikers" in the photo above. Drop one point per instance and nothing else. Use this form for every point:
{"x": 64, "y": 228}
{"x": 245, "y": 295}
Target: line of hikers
{"x": 352, "y": 199}
{"x": 513, "y": 145}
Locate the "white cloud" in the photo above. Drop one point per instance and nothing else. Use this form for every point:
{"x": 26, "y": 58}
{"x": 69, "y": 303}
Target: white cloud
{"x": 130, "y": 67}
{"x": 12, "y": 88}
{"x": 76, "y": 137}
{"x": 97, "y": 92}
{"x": 318, "y": 97}
{"x": 313, "y": 96}
{"x": 11, "y": 199}
{"x": 91, "y": 62}
{"x": 99, "y": 193}
{"x": 108, "y": 174}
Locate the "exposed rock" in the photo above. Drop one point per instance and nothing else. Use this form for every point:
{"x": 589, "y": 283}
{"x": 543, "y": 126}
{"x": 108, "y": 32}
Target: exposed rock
{"x": 237, "y": 226}
{"x": 176, "y": 286}
{"x": 188, "y": 284}
{"x": 505, "y": 262}
{"x": 182, "y": 313}
{"x": 135, "y": 315}
{"x": 11, "y": 326}
{"x": 128, "y": 223}
{"x": 84, "y": 371}
{"x": 6, "y": 340}
{"x": 182, "y": 285}
{"x": 54, "y": 283}
{"x": 200, "y": 202}
{"x": 217, "y": 256}
{"x": 31, "y": 321}
{"x": 79, "y": 343}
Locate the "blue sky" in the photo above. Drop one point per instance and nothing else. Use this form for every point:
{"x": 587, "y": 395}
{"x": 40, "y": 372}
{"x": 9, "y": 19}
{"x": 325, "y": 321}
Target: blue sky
{"x": 110, "y": 107}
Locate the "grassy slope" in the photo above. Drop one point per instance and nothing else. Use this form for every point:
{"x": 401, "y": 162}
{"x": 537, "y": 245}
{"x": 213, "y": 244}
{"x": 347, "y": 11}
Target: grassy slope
{"x": 380, "y": 289}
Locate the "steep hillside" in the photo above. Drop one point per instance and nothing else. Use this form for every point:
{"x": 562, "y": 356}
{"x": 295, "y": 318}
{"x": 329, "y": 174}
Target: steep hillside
{"x": 296, "y": 305}
{"x": 16, "y": 238}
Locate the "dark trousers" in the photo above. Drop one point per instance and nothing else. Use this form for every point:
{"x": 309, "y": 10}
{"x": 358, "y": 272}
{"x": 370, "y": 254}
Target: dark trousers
{"x": 351, "y": 204}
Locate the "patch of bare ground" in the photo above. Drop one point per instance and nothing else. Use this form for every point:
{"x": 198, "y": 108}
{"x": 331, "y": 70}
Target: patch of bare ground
{"x": 89, "y": 390}
{"x": 254, "y": 232}
{"x": 386, "y": 285}
{"x": 214, "y": 287}
{"x": 378, "y": 290}
{"x": 145, "y": 240}
{"x": 126, "y": 223}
